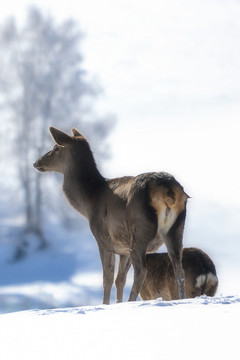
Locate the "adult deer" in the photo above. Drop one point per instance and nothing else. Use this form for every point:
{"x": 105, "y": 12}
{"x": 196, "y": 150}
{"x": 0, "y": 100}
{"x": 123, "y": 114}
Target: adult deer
{"x": 129, "y": 216}
{"x": 199, "y": 270}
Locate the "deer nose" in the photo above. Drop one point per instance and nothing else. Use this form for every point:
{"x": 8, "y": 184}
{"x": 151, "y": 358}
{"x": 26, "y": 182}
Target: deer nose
{"x": 35, "y": 164}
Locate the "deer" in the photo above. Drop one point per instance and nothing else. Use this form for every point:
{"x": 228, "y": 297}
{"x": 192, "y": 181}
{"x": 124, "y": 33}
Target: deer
{"x": 128, "y": 216}
{"x": 200, "y": 276}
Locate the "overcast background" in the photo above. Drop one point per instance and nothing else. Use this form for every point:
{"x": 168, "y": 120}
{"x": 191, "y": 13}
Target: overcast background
{"x": 170, "y": 72}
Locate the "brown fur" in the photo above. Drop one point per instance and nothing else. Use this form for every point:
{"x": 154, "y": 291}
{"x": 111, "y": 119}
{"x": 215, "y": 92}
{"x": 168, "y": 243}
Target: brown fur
{"x": 200, "y": 276}
{"x": 128, "y": 216}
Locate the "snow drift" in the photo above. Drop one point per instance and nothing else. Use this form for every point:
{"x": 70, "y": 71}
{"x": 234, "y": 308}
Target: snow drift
{"x": 185, "y": 329}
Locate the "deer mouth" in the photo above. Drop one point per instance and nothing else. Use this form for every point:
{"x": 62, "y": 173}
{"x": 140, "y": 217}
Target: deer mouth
{"x": 39, "y": 167}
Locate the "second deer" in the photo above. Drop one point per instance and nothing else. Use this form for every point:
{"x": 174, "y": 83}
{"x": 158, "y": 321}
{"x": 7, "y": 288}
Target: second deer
{"x": 200, "y": 276}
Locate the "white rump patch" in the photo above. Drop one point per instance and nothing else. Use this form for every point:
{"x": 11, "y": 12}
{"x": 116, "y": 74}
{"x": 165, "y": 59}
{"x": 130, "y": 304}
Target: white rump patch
{"x": 209, "y": 279}
{"x": 165, "y": 222}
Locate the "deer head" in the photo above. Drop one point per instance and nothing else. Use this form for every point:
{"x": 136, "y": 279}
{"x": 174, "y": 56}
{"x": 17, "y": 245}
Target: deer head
{"x": 61, "y": 156}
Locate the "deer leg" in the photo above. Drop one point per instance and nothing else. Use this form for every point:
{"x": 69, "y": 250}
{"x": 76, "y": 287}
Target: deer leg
{"x": 108, "y": 264}
{"x": 143, "y": 232}
{"x": 123, "y": 267}
{"x": 139, "y": 264}
{"x": 173, "y": 243}
{"x": 175, "y": 254}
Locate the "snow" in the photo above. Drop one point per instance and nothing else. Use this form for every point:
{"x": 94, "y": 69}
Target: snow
{"x": 196, "y": 328}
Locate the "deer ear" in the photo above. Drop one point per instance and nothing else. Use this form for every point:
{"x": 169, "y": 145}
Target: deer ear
{"x": 75, "y": 132}
{"x": 60, "y": 137}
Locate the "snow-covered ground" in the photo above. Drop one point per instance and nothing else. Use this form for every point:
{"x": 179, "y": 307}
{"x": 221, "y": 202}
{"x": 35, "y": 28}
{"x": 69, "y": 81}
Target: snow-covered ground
{"x": 200, "y": 328}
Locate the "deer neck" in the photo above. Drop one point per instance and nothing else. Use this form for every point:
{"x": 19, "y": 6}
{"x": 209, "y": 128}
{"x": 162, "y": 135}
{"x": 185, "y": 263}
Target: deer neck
{"x": 82, "y": 186}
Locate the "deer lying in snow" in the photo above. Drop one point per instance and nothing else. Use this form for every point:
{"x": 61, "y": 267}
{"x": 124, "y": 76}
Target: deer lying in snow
{"x": 129, "y": 216}
{"x": 200, "y": 276}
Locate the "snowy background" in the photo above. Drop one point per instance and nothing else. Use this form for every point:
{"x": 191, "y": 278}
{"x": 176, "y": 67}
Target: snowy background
{"x": 170, "y": 72}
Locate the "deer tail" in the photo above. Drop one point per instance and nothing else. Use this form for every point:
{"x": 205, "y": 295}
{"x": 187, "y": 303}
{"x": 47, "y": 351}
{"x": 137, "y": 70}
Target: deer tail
{"x": 206, "y": 283}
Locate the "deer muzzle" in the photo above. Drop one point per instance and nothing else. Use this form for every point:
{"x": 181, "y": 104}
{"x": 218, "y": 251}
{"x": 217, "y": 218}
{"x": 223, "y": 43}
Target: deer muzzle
{"x": 39, "y": 166}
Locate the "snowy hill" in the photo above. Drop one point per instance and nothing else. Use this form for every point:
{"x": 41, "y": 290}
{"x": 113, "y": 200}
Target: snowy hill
{"x": 200, "y": 328}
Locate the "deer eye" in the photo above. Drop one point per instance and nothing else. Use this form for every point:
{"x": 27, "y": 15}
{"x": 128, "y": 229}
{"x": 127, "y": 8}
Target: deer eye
{"x": 56, "y": 148}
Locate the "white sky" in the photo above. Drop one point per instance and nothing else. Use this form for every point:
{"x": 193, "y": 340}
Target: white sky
{"x": 170, "y": 71}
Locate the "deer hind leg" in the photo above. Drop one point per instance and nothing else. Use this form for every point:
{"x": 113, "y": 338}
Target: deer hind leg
{"x": 123, "y": 267}
{"x": 173, "y": 241}
{"x": 144, "y": 232}
{"x": 138, "y": 259}
{"x": 108, "y": 264}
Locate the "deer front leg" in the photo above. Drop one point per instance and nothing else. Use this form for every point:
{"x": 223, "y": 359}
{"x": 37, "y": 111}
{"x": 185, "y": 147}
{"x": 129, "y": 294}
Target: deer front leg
{"x": 108, "y": 265}
{"x": 123, "y": 267}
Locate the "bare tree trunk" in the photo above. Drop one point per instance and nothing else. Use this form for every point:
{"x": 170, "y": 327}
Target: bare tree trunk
{"x": 31, "y": 185}
{"x": 38, "y": 213}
